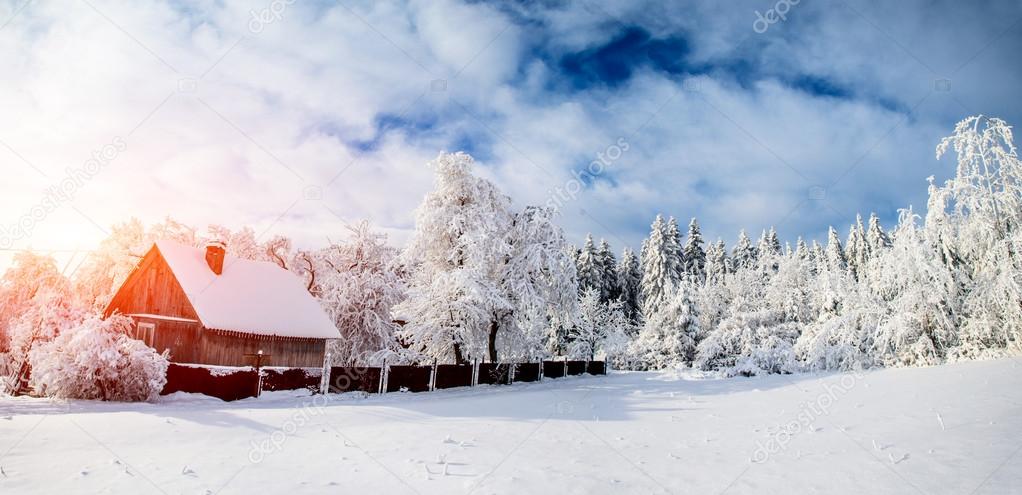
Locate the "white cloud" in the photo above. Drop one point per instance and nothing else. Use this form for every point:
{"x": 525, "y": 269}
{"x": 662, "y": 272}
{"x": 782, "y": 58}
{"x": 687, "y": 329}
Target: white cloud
{"x": 274, "y": 113}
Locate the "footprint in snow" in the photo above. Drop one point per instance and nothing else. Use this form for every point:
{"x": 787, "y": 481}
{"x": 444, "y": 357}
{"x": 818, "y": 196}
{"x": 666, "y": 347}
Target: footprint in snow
{"x": 895, "y": 461}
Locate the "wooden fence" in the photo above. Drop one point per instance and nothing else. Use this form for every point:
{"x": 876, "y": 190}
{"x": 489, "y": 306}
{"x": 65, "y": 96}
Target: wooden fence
{"x": 231, "y": 384}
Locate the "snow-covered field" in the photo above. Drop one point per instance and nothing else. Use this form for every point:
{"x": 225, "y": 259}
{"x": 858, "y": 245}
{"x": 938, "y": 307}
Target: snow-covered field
{"x": 947, "y": 429}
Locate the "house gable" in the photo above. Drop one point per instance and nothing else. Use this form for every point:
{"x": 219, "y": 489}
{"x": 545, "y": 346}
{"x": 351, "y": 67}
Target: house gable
{"x": 152, "y": 288}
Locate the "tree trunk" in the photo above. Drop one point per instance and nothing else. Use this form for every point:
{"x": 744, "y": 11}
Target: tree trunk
{"x": 493, "y": 341}
{"x": 459, "y": 358}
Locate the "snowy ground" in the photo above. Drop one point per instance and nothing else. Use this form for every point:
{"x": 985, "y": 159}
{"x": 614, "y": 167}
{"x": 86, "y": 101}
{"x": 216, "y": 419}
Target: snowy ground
{"x": 949, "y": 429}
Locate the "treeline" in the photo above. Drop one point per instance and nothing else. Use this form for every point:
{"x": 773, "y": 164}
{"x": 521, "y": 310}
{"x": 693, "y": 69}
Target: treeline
{"x": 482, "y": 280}
{"x": 944, "y": 287}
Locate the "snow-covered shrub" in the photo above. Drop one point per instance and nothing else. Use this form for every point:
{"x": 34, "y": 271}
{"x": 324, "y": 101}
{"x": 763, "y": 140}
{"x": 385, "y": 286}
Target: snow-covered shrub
{"x": 98, "y": 360}
{"x": 668, "y": 338}
{"x": 838, "y": 342}
{"x": 750, "y": 343}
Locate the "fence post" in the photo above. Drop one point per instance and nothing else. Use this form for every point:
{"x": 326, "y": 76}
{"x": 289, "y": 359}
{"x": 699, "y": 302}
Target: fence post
{"x": 324, "y": 380}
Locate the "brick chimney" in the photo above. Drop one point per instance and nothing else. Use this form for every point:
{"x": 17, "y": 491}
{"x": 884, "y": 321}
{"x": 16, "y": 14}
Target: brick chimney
{"x": 215, "y": 252}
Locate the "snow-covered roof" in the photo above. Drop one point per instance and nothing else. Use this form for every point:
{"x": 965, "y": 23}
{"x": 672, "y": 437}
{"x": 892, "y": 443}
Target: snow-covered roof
{"x": 254, "y": 297}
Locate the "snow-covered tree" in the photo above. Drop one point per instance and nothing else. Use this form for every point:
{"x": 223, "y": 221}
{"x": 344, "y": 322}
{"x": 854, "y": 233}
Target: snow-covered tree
{"x": 693, "y": 255}
{"x": 600, "y": 328}
{"x": 856, "y": 249}
{"x": 589, "y": 267}
{"x": 919, "y": 294}
{"x": 609, "y": 289}
{"x": 29, "y": 276}
{"x": 98, "y": 360}
{"x": 629, "y": 276}
{"x": 358, "y": 288}
{"x": 974, "y": 221}
{"x": 744, "y": 253}
{"x": 52, "y": 310}
{"x": 769, "y": 244}
{"x": 485, "y": 282}
{"x": 668, "y": 337}
{"x": 674, "y": 248}
{"x": 835, "y": 254}
{"x": 660, "y": 266}
{"x": 717, "y": 263}
{"x": 540, "y": 282}
{"x": 845, "y": 316}
{"x": 876, "y": 239}
{"x": 106, "y": 268}
{"x": 455, "y": 259}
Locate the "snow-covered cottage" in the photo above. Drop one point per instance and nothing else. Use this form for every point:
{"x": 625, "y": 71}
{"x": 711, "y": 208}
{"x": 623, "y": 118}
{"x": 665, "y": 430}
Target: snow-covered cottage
{"x": 210, "y": 308}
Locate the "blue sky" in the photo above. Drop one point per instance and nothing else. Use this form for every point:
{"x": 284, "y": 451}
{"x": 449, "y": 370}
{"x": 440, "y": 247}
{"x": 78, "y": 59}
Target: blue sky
{"x": 247, "y": 113}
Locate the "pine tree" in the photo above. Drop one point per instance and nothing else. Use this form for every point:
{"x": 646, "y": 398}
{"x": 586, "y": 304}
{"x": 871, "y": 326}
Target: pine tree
{"x": 669, "y": 336}
{"x": 855, "y": 248}
{"x": 744, "y": 253}
{"x": 660, "y": 267}
{"x": 675, "y": 249}
{"x": 609, "y": 289}
{"x": 717, "y": 265}
{"x": 693, "y": 254}
{"x": 629, "y": 276}
{"x": 876, "y": 238}
{"x": 819, "y": 256}
{"x": 835, "y": 254}
{"x": 769, "y": 251}
{"x": 769, "y": 243}
{"x": 589, "y": 267}
{"x": 802, "y": 250}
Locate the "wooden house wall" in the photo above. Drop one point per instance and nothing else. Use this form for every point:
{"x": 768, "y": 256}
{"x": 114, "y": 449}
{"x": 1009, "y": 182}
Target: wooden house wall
{"x": 230, "y": 350}
{"x": 181, "y": 338}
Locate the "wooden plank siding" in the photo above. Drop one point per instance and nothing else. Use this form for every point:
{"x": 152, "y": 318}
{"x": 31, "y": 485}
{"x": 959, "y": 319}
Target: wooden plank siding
{"x": 229, "y": 349}
{"x": 152, "y": 289}
{"x": 152, "y": 294}
{"x": 180, "y": 338}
